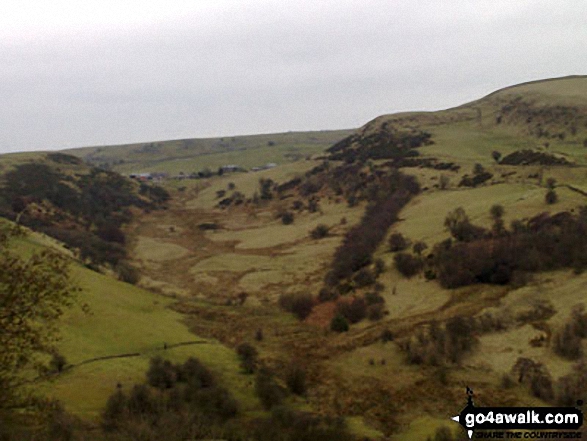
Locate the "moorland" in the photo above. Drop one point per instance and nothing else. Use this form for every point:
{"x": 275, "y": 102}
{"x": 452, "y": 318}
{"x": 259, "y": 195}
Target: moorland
{"x": 351, "y": 290}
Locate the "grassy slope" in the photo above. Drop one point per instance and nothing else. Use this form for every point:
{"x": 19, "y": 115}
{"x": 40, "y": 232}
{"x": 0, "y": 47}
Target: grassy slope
{"x": 124, "y": 319}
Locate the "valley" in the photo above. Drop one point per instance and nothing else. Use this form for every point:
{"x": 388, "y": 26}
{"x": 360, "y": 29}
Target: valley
{"x": 251, "y": 257}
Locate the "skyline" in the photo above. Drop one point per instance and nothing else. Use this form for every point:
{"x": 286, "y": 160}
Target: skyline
{"x": 101, "y": 73}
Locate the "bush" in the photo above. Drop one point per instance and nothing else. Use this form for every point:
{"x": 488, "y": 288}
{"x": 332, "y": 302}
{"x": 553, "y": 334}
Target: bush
{"x": 354, "y": 311}
{"x": 375, "y": 312}
{"x": 386, "y": 336}
{"x": 268, "y": 391}
{"x": 161, "y": 374}
{"x": 444, "y": 182}
{"x": 296, "y": 380}
{"x": 339, "y": 324}
{"x": 299, "y": 304}
{"x": 197, "y": 408}
{"x": 461, "y": 228}
{"x": 248, "y": 355}
{"x": 287, "y": 218}
{"x": 551, "y": 197}
{"x": 379, "y": 267}
{"x": 435, "y": 345}
{"x": 288, "y": 425}
{"x": 319, "y": 232}
{"x": 115, "y": 411}
{"x": 566, "y": 343}
{"x": 127, "y": 272}
{"x": 364, "y": 277}
{"x": 407, "y": 264}
{"x": 57, "y": 363}
{"x": 572, "y": 386}
{"x": 373, "y": 298}
{"x": 419, "y": 247}
{"x": 397, "y": 242}
{"x": 194, "y": 373}
{"x": 327, "y": 294}
{"x": 534, "y": 375}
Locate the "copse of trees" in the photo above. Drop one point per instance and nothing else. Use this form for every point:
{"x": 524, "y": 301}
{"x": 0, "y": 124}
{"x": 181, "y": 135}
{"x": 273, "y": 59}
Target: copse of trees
{"x": 408, "y": 264}
{"x": 480, "y": 175}
{"x": 289, "y": 425}
{"x": 300, "y": 305}
{"x": 567, "y": 341}
{"x": 267, "y": 389}
{"x": 319, "y": 232}
{"x": 179, "y": 402}
{"x": 542, "y": 243}
{"x": 354, "y": 311}
{"x": 386, "y": 143}
{"x": 460, "y": 227}
{"x": 184, "y": 401}
{"x": 362, "y": 240}
{"x": 437, "y": 345}
{"x": 397, "y": 242}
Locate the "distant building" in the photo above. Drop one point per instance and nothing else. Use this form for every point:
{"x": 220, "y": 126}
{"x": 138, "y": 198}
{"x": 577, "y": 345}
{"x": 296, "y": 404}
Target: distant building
{"x": 155, "y": 176}
{"x": 229, "y": 168}
{"x": 141, "y": 176}
{"x": 264, "y": 167}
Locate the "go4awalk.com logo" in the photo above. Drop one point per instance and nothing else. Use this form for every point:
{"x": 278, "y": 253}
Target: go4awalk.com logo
{"x": 520, "y": 422}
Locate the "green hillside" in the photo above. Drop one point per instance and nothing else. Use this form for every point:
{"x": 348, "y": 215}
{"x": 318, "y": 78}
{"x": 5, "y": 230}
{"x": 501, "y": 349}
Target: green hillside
{"x": 419, "y": 254}
{"x": 193, "y": 155}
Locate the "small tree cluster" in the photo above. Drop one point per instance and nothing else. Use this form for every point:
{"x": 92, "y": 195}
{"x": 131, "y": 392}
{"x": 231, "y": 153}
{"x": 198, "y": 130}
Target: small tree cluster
{"x": 268, "y": 391}
{"x": 397, "y": 242}
{"x": 354, "y": 311}
{"x": 460, "y": 227}
{"x": 339, "y": 324}
{"x": 573, "y": 386}
{"x": 567, "y": 341}
{"x": 542, "y": 243}
{"x": 363, "y": 239}
{"x": 408, "y": 264}
{"x": 435, "y": 345}
{"x": 296, "y": 380}
{"x": 289, "y": 425}
{"x": 534, "y": 375}
{"x": 287, "y": 217}
{"x": 300, "y": 305}
{"x": 187, "y": 396}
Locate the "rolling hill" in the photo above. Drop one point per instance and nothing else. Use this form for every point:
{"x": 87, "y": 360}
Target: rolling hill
{"x": 364, "y": 227}
{"x": 193, "y": 155}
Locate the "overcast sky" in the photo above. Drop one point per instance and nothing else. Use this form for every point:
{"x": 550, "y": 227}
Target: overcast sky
{"x": 76, "y": 73}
